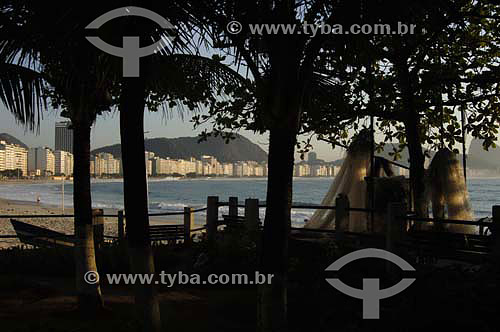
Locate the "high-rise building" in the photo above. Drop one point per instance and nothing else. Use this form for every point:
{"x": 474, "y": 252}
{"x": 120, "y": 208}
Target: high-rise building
{"x": 3, "y": 152}
{"x": 227, "y": 169}
{"x": 105, "y": 164}
{"x": 13, "y": 157}
{"x": 64, "y": 163}
{"x": 41, "y": 161}
{"x": 312, "y": 157}
{"x": 64, "y": 137}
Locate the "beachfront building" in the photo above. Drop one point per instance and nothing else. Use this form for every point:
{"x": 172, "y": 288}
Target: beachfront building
{"x": 166, "y": 166}
{"x": 13, "y": 157}
{"x": 315, "y": 167}
{"x": 198, "y": 167}
{"x": 41, "y": 161}
{"x": 401, "y": 171}
{"x": 238, "y": 169}
{"x": 227, "y": 169}
{"x": 149, "y": 167}
{"x": 320, "y": 170}
{"x": 302, "y": 169}
{"x": 104, "y": 164}
{"x": 259, "y": 170}
{"x": 2, "y": 158}
{"x": 64, "y": 163}
{"x": 63, "y": 136}
{"x": 211, "y": 166}
{"x": 312, "y": 157}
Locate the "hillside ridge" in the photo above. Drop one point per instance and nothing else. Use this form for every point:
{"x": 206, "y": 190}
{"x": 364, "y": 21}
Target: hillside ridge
{"x": 238, "y": 149}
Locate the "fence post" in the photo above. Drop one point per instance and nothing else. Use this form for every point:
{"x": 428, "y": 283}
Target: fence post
{"x": 252, "y": 217}
{"x": 341, "y": 215}
{"x": 188, "y": 225}
{"x": 121, "y": 227}
{"x": 395, "y": 229}
{"x": 212, "y": 217}
{"x": 495, "y": 213}
{"x": 98, "y": 225}
{"x": 233, "y": 206}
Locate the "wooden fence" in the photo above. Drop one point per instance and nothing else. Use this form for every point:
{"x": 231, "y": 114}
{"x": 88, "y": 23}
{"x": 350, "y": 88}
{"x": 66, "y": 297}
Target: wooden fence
{"x": 400, "y": 235}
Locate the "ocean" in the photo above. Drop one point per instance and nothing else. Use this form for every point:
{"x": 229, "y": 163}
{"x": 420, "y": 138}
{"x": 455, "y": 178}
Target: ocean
{"x": 171, "y": 194}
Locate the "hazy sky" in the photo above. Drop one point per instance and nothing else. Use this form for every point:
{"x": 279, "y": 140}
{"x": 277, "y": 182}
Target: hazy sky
{"x": 106, "y": 131}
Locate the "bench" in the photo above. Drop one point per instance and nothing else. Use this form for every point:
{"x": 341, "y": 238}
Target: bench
{"x": 159, "y": 233}
{"x": 235, "y": 222}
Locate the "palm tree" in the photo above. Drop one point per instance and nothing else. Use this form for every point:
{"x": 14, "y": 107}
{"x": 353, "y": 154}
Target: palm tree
{"x": 44, "y": 64}
{"x": 77, "y": 74}
{"x": 175, "y": 79}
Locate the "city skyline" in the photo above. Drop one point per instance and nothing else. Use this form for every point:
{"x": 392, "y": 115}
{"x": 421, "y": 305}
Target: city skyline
{"x": 106, "y": 131}
{"x": 43, "y": 161}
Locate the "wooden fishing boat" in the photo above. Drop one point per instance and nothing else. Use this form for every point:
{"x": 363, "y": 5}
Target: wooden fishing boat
{"x": 41, "y": 237}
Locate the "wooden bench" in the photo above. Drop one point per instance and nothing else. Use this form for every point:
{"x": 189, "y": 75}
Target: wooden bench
{"x": 170, "y": 233}
{"x": 235, "y": 222}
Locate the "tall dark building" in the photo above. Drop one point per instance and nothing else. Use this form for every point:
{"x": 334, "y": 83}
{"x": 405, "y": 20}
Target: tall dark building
{"x": 64, "y": 137}
{"x": 312, "y": 157}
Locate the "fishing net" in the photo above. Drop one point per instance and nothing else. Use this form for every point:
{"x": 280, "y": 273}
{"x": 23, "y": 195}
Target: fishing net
{"x": 448, "y": 193}
{"x": 349, "y": 181}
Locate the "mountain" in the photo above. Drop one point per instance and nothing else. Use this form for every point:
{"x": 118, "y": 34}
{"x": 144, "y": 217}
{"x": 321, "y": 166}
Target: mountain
{"x": 239, "y": 149}
{"x": 388, "y": 148}
{"x": 478, "y": 158}
{"x": 12, "y": 140}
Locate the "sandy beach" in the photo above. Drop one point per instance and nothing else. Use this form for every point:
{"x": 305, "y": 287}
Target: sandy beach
{"x": 63, "y": 225}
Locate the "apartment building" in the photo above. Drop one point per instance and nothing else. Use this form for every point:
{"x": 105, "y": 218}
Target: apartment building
{"x": 13, "y": 157}
{"x": 41, "y": 161}
{"x": 64, "y": 163}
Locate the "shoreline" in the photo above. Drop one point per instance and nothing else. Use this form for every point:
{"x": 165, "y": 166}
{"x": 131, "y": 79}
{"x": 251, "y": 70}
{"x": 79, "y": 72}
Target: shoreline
{"x": 60, "y": 224}
{"x": 158, "y": 179}
{"x": 167, "y": 179}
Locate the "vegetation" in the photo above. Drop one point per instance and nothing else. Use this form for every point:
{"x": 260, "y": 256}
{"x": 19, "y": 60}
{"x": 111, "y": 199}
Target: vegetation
{"x": 413, "y": 87}
{"x": 67, "y": 71}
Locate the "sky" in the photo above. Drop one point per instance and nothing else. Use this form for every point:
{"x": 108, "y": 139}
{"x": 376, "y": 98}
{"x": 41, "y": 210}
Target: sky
{"x": 106, "y": 131}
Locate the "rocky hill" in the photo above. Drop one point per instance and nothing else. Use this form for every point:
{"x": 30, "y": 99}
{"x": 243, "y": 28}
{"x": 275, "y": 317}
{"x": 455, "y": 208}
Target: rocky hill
{"x": 11, "y": 140}
{"x": 478, "y": 158}
{"x": 239, "y": 149}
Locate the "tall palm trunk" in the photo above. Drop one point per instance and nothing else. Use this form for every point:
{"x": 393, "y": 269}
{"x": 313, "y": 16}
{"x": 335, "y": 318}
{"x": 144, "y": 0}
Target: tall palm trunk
{"x": 132, "y": 103}
{"x": 89, "y": 295}
{"x": 272, "y": 302}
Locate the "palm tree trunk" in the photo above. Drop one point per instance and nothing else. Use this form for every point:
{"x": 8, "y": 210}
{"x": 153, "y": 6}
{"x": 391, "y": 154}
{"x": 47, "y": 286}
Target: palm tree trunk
{"x": 89, "y": 295}
{"x": 272, "y": 301}
{"x": 132, "y": 105}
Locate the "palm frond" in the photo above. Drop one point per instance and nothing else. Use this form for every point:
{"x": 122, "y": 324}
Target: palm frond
{"x": 22, "y": 92}
{"x": 193, "y": 81}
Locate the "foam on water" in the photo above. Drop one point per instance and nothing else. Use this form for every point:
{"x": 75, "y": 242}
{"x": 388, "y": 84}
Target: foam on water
{"x": 172, "y": 194}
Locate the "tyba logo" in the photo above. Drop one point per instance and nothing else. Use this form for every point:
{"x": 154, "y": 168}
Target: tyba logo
{"x": 371, "y": 294}
{"x": 131, "y": 52}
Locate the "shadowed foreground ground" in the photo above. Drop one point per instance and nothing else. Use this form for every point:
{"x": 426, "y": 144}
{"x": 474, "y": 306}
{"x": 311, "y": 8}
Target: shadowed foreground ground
{"x": 38, "y": 306}
{"x": 450, "y": 299}
{"x": 37, "y": 292}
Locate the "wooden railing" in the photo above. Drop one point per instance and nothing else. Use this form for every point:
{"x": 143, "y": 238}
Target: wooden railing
{"x": 399, "y": 234}
{"x": 158, "y": 233}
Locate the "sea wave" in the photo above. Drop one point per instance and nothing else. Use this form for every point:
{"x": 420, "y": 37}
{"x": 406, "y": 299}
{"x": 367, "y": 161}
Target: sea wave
{"x": 108, "y": 194}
